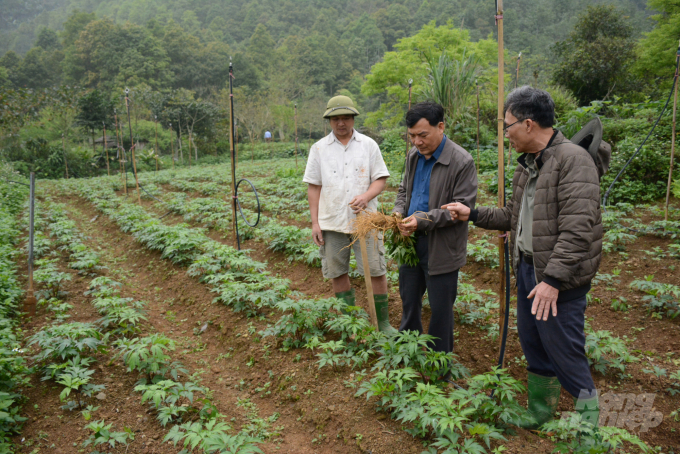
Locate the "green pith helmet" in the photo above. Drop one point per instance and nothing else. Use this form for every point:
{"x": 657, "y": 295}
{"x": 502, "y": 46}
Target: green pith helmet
{"x": 340, "y": 105}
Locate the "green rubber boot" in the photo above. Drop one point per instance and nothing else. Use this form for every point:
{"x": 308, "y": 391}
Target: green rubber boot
{"x": 348, "y": 297}
{"x": 382, "y": 312}
{"x": 589, "y": 408}
{"x": 544, "y": 396}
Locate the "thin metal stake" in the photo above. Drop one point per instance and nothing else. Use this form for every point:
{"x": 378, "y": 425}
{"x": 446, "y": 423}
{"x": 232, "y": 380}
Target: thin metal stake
{"x": 132, "y": 147}
{"x": 106, "y": 150}
{"x": 30, "y": 301}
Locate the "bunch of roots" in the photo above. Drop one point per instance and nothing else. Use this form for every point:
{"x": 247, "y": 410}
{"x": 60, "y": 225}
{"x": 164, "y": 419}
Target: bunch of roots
{"x": 368, "y": 223}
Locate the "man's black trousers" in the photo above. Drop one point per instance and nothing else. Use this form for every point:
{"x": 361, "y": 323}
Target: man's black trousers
{"x": 555, "y": 347}
{"x": 441, "y": 291}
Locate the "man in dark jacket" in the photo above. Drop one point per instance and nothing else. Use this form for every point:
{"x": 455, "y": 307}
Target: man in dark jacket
{"x": 437, "y": 171}
{"x": 556, "y": 239}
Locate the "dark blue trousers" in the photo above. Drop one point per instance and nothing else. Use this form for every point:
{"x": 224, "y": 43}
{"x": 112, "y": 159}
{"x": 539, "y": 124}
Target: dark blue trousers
{"x": 441, "y": 290}
{"x": 555, "y": 347}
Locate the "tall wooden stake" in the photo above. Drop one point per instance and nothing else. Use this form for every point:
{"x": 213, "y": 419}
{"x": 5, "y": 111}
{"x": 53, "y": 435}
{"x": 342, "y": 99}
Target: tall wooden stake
{"x": 675, "y": 107}
{"x": 132, "y": 147}
{"x": 296, "y": 139}
{"x": 232, "y": 146}
{"x": 106, "y": 150}
{"x": 501, "y": 167}
{"x": 476, "y": 83}
{"x": 63, "y": 145}
{"x": 30, "y": 301}
{"x": 369, "y": 284}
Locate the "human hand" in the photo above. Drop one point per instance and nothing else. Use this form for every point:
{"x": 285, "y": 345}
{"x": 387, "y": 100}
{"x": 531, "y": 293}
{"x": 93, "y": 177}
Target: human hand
{"x": 545, "y": 297}
{"x": 317, "y": 235}
{"x": 409, "y": 226}
{"x": 359, "y": 202}
{"x": 458, "y": 211}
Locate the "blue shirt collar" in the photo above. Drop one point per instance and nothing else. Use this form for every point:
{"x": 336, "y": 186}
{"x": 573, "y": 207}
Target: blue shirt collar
{"x": 438, "y": 151}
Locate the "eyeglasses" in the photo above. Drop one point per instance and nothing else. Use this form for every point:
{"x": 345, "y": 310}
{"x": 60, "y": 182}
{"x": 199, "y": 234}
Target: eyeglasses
{"x": 506, "y": 127}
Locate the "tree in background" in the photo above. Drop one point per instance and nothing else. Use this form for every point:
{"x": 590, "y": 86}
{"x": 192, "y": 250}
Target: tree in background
{"x": 389, "y": 78}
{"x": 94, "y": 109}
{"x": 597, "y": 57}
{"x": 657, "y": 49}
{"x": 451, "y": 83}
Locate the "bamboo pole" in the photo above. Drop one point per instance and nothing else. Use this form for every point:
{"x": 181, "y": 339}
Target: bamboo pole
{"x": 670, "y": 169}
{"x": 477, "y": 83}
{"x": 132, "y": 147}
{"x": 232, "y": 146}
{"x": 501, "y": 174}
{"x": 296, "y": 139}
{"x": 63, "y": 145}
{"x": 106, "y": 150}
{"x": 369, "y": 283}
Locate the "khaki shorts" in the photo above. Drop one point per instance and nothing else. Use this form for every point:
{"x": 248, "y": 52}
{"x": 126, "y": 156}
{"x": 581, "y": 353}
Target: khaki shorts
{"x": 335, "y": 254}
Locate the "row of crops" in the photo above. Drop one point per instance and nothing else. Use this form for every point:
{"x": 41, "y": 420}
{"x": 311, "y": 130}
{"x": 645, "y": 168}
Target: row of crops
{"x": 397, "y": 374}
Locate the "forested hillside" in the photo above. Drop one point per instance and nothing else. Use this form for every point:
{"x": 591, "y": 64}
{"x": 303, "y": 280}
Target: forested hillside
{"x": 174, "y": 55}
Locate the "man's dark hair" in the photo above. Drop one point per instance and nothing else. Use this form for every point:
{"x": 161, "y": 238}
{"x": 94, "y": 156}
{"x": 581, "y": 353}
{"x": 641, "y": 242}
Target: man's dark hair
{"x": 528, "y": 102}
{"x": 431, "y": 111}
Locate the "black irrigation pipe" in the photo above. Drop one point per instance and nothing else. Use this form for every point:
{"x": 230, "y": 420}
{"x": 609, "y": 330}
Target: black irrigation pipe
{"x": 639, "y": 149}
{"x": 238, "y": 204}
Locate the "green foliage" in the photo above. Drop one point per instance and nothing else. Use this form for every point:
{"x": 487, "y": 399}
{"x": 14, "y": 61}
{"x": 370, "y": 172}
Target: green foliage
{"x": 390, "y": 76}
{"x": 596, "y": 58}
{"x": 303, "y": 320}
{"x": 102, "y": 434}
{"x": 148, "y": 355}
{"x": 401, "y": 249}
{"x": 661, "y": 299}
{"x": 606, "y": 351}
{"x": 482, "y": 251}
{"x": 572, "y": 434}
{"x": 656, "y": 48}
{"x": 66, "y": 341}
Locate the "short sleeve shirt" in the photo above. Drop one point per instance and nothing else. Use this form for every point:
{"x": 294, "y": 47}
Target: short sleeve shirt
{"x": 343, "y": 172}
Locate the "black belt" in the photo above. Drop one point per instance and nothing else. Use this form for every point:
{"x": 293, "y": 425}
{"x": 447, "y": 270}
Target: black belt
{"x": 528, "y": 259}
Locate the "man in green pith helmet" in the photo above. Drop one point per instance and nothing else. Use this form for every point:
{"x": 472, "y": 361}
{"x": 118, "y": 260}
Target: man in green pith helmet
{"x": 346, "y": 173}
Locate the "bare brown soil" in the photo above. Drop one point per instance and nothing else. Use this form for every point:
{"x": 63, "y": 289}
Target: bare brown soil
{"x": 318, "y": 412}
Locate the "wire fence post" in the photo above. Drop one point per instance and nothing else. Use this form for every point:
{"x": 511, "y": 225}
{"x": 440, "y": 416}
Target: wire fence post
{"x": 30, "y": 301}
